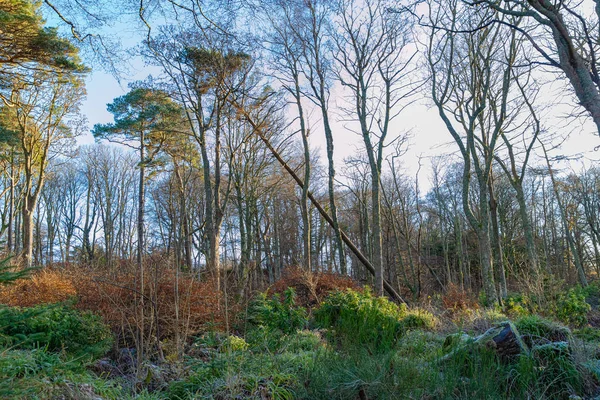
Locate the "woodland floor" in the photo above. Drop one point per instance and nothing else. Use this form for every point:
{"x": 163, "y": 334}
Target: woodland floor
{"x": 329, "y": 338}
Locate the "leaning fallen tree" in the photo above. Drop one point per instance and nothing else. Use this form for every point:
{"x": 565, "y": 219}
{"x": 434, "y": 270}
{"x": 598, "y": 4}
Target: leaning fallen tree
{"x": 257, "y": 129}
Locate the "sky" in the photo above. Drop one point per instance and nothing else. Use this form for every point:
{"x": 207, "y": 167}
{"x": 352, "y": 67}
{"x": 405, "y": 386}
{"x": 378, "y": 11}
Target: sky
{"x": 428, "y": 135}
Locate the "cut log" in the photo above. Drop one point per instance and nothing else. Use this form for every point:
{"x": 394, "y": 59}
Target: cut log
{"x": 503, "y": 338}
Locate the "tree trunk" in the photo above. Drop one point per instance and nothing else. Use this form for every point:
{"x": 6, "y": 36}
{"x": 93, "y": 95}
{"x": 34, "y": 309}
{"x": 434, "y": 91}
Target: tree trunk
{"x": 11, "y": 206}
{"x": 139, "y": 258}
{"x": 527, "y": 230}
{"x": 331, "y": 185}
{"x": 377, "y": 259}
{"x": 27, "y": 226}
{"x": 497, "y": 245}
{"x": 485, "y": 247}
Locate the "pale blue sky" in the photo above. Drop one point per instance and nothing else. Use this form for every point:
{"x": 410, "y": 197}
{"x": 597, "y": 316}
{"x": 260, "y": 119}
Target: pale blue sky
{"x": 429, "y": 135}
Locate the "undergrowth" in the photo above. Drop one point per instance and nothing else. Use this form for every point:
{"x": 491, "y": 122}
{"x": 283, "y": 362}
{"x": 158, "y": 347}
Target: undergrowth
{"x": 350, "y": 345}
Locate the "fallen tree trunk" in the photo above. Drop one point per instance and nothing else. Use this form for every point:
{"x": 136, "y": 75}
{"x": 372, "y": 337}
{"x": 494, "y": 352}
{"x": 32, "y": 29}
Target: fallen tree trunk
{"x": 361, "y": 257}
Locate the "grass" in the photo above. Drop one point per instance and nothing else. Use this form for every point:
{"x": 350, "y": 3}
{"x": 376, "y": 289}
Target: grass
{"x": 39, "y": 374}
{"x": 356, "y": 346}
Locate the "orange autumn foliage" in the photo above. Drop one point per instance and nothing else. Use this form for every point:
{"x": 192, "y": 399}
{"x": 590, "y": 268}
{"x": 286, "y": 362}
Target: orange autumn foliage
{"x": 456, "y": 299}
{"x": 182, "y": 304}
{"x": 43, "y": 287}
{"x": 312, "y": 287}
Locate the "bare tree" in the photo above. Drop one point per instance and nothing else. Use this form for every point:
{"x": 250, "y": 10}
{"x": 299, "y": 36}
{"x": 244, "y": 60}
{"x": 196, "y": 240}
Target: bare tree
{"x": 374, "y": 67}
{"x": 572, "y": 29}
{"x": 467, "y": 72}
{"x": 286, "y": 49}
{"x": 312, "y": 29}
{"x": 40, "y": 123}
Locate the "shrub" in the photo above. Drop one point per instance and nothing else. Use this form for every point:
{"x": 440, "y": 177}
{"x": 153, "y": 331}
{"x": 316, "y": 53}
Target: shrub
{"x": 571, "y": 307}
{"x": 9, "y": 274}
{"x": 539, "y": 327}
{"x": 43, "y": 287}
{"x": 361, "y": 318}
{"x": 209, "y": 340}
{"x": 568, "y": 306}
{"x": 234, "y": 343}
{"x": 277, "y": 314}
{"x": 592, "y": 290}
{"x": 457, "y": 299}
{"x": 520, "y": 305}
{"x": 112, "y": 297}
{"x": 56, "y": 328}
{"x": 312, "y": 287}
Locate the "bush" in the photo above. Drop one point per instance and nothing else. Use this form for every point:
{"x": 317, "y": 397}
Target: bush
{"x": 519, "y": 305}
{"x": 457, "y": 299}
{"x": 568, "y": 306}
{"x": 360, "y": 318}
{"x": 538, "y": 327}
{"x": 234, "y": 343}
{"x": 419, "y": 319}
{"x": 571, "y": 307}
{"x": 276, "y": 314}
{"x": 198, "y": 301}
{"x": 9, "y": 273}
{"x": 312, "y": 287}
{"x": 43, "y": 287}
{"x": 56, "y": 328}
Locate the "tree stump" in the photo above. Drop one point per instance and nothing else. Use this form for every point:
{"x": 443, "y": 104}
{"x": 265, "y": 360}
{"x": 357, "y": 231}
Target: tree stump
{"x": 503, "y": 338}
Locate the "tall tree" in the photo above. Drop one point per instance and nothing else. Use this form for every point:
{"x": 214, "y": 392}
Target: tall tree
{"x": 313, "y": 29}
{"x": 39, "y": 121}
{"x": 286, "y": 50}
{"x": 467, "y": 77}
{"x": 147, "y": 120}
{"x": 26, "y": 45}
{"x": 375, "y": 68}
{"x": 203, "y": 74}
{"x": 572, "y": 28}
